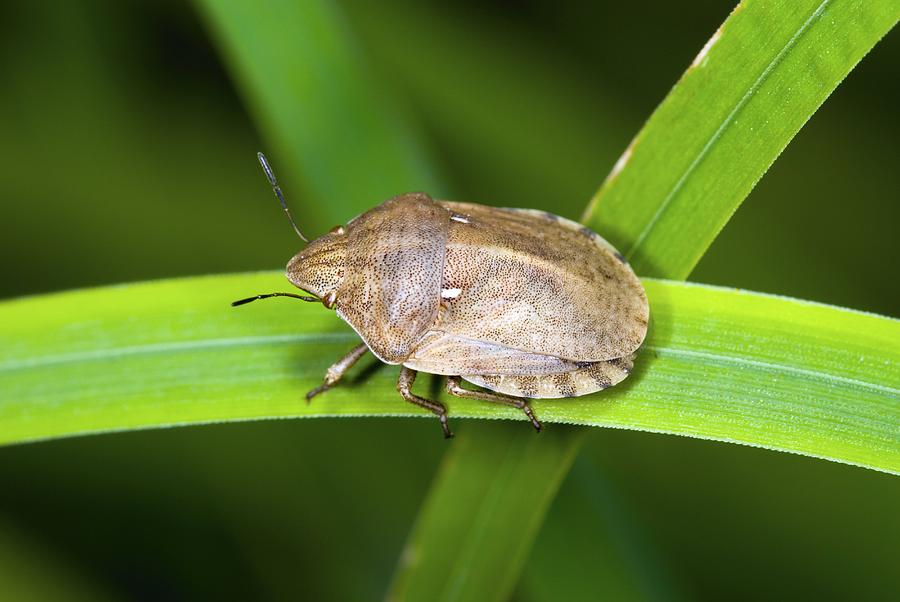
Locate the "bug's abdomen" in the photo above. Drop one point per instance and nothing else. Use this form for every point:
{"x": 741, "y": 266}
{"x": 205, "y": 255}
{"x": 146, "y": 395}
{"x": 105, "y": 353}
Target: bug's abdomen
{"x": 581, "y": 381}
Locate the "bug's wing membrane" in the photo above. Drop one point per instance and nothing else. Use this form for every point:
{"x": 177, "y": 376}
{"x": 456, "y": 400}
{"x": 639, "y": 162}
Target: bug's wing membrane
{"x": 440, "y": 353}
{"x": 540, "y": 283}
{"x": 391, "y": 289}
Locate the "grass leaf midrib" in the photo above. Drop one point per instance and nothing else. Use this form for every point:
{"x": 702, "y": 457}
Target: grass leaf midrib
{"x": 726, "y": 122}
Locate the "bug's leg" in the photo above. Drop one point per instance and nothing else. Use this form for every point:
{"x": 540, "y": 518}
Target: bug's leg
{"x": 405, "y": 383}
{"x": 337, "y": 370}
{"x": 454, "y": 388}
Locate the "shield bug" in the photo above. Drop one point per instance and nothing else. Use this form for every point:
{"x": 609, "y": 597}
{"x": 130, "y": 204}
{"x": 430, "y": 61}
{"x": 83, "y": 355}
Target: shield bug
{"x": 523, "y": 303}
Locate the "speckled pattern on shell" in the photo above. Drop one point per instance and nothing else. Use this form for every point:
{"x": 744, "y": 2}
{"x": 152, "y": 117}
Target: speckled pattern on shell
{"x": 391, "y": 288}
{"x": 536, "y": 282}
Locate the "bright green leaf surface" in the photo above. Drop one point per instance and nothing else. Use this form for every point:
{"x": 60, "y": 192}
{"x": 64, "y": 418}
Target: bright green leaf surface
{"x": 750, "y": 89}
{"x": 719, "y": 363}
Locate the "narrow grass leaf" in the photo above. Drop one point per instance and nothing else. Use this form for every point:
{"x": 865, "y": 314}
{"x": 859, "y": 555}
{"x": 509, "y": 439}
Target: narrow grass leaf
{"x": 754, "y": 84}
{"x": 502, "y": 479}
{"x": 718, "y": 364}
{"x": 594, "y": 530}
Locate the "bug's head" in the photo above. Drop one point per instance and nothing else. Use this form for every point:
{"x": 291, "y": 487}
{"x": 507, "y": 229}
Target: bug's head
{"x": 319, "y": 267}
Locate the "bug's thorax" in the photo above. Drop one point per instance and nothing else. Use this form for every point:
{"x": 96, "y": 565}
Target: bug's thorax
{"x": 319, "y": 267}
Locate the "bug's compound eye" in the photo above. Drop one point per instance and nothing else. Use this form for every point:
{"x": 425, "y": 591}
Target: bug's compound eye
{"x": 339, "y": 230}
{"x": 329, "y": 300}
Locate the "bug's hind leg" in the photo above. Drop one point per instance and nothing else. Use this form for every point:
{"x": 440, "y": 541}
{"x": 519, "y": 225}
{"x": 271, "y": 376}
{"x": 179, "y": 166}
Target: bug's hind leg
{"x": 405, "y": 383}
{"x": 337, "y": 370}
{"x": 454, "y": 388}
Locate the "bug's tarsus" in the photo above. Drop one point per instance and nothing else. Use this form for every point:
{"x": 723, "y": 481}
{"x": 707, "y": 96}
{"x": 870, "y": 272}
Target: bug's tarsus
{"x": 405, "y": 383}
{"x": 337, "y": 370}
{"x": 266, "y": 296}
{"x": 320, "y": 389}
{"x": 270, "y": 175}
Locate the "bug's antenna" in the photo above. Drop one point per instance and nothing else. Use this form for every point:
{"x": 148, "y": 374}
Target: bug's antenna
{"x": 257, "y": 297}
{"x": 270, "y": 175}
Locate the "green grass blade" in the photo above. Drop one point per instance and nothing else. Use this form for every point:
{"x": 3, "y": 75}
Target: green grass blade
{"x": 594, "y": 530}
{"x": 719, "y": 364}
{"x": 752, "y": 87}
{"x": 313, "y": 97}
{"x": 509, "y": 493}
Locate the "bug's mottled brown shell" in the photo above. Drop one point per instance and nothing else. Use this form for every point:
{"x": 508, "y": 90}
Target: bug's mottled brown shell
{"x": 518, "y": 301}
{"x": 391, "y": 289}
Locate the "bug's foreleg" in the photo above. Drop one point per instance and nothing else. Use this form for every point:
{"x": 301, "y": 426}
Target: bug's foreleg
{"x": 337, "y": 370}
{"x": 454, "y": 388}
{"x": 405, "y": 383}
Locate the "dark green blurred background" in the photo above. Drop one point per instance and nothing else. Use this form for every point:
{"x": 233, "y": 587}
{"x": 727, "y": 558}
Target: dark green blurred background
{"x": 129, "y": 155}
